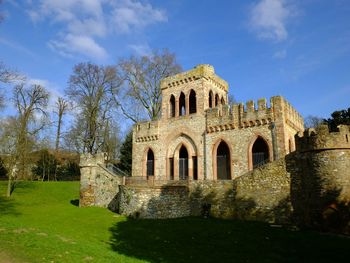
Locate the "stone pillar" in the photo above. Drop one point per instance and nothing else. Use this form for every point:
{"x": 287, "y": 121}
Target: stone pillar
{"x": 177, "y": 108}
{"x": 187, "y": 105}
{"x": 190, "y": 168}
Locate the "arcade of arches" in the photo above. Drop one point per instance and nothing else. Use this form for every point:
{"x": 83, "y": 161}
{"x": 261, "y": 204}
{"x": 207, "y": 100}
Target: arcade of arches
{"x": 183, "y": 164}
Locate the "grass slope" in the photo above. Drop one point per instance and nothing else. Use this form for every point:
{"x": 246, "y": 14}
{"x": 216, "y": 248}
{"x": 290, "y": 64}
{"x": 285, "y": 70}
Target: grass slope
{"x": 41, "y": 223}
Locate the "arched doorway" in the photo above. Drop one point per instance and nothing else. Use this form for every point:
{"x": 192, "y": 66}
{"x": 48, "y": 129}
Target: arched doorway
{"x": 150, "y": 163}
{"x": 172, "y": 106}
{"x": 193, "y": 103}
{"x": 183, "y": 163}
{"x": 223, "y": 169}
{"x": 260, "y": 152}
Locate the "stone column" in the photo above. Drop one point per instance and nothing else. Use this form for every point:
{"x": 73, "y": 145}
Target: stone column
{"x": 177, "y": 108}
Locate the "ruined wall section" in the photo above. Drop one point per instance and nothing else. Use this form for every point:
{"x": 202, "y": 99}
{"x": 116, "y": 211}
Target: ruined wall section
{"x": 321, "y": 177}
{"x": 98, "y": 186}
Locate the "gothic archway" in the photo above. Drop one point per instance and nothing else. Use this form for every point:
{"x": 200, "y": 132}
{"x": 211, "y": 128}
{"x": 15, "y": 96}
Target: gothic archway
{"x": 260, "y": 152}
{"x": 223, "y": 162}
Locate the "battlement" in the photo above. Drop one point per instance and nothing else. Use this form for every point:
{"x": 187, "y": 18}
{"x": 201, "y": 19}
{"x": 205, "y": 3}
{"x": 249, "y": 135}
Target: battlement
{"x": 322, "y": 139}
{"x": 201, "y": 71}
{"x": 146, "y": 131}
{"x": 293, "y": 118}
{"x": 239, "y": 115}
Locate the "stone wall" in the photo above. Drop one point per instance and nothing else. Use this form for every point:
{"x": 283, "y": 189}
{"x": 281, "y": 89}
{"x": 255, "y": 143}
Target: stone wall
{"x": 154, "y": 202}
{"x": 98, "y": 186}
{"x": 262, "y": 194}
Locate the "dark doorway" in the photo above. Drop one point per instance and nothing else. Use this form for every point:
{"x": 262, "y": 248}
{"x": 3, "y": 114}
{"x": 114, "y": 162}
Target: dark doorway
{"x": 260, "y": 152}
{"x": 150, "y": 163}
{"x": 183, "y": 163}
{"x": 223, "y": 162}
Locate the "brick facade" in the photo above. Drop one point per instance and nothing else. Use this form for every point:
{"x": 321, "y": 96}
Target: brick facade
{"x": 211, "y": 139}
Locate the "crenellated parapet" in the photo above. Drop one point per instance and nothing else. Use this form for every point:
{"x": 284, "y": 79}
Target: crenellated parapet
{"x": 146, "y": 131}
{"x": 201, "y": 71}
{"x": 255, "y": 114}
{"x": 220, "y": 119}
{"x": 293, "y": 118}
{"x": 322, "y": 139}
{"x": 239, "y": 115}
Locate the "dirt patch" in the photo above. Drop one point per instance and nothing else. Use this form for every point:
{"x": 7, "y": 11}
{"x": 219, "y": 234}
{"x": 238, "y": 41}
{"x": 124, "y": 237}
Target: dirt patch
{"x": 5, "y": 258}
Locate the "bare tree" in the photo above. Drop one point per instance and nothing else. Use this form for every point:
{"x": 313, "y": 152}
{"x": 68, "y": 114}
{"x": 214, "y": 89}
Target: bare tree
{"x": 141, "y": 97}
{"x": 313, "y": 121}
{"x": 7, "y": 76}
{"x": 30, "y": 103}
{"x": 91, "y": 88}
{"x": 62, "y": 105}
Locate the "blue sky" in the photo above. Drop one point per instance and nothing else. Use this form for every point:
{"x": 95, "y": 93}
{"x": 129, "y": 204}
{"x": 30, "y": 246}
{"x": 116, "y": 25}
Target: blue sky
{"x": 298, "y": 49}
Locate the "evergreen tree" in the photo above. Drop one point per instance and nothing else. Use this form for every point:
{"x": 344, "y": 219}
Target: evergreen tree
{"x": 338, "y": 117}
{"x": 125, "y": 163}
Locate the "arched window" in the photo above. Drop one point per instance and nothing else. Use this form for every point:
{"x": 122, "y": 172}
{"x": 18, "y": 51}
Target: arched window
{"x": 172, "y": 106}
{"x": 223, "y": 169}
{"x": 210, "y": 99}
{"x": 182, "y": 105}
{"x": 222, "y": 101}
{"x": 260, "y": 152}
{"x": 150, "y": 163}
{"x": 193, "y": 103}
{"x": 216, "y": 100}
{"x": 183, "y": 163}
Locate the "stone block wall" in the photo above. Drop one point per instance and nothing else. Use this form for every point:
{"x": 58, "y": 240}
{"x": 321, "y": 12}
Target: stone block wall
{"x": 98, "y": 186}
{"x": 262, "y": 194}
{"x": 154, "y": 202}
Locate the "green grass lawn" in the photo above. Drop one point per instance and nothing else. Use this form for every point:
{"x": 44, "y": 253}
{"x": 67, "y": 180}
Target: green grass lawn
{"x": 41, "y": 222}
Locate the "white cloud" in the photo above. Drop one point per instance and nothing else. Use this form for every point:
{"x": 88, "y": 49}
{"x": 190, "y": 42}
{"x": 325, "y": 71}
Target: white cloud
{"x": 280, "y": 54}
{"x": 132, "y": 14}
{"x": 75, "y": 44}
{"x": 83, "y": 21}
{"x": 268, "y": 19}
{"x": 141, "y": 50}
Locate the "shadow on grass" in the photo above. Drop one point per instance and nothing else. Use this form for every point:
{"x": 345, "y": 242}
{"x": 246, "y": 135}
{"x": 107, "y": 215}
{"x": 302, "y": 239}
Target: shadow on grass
{"x": 213, "y": 240}
{"x": 75, "y": 202}
{"x": 7, "y": 207}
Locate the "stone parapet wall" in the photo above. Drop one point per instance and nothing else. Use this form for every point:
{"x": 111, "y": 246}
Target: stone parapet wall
{"x": 98, "y": 186}
{"x": 260, "y": 195}
{"x": 154, "y": 202}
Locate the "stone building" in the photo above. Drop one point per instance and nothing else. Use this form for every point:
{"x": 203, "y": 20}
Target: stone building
{"x": 200, "y": 137}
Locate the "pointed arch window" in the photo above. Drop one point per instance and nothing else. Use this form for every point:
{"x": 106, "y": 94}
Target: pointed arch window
{"x": 172, "y": 106}
{"x": 182, "y": 104}
{"x": 193, "y": 102}
{"x": 210, "y": 99}
{"x": 216, "y": 100}
{"x": 222, "y": 101}
{"x": 150, "y": 163}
